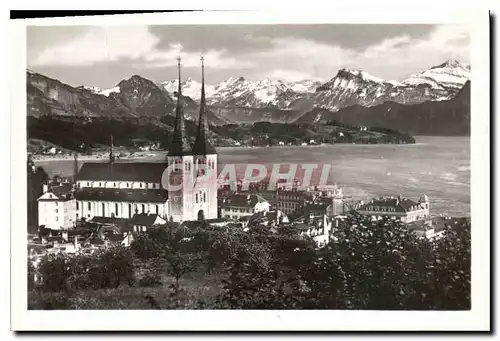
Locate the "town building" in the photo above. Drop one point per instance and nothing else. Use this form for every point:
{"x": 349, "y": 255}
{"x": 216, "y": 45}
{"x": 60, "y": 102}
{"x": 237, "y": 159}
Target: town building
{"x": 144, "y": 221}
{"x": 318, "y": 228}
{"x": 57, "y": 208}
{"x": 122, "y": 190}
{"x": 239, "y": 205}
{"x": 400, "y": 208}
{"x": 266, "y": 218}
{"x": 293, "y": 201}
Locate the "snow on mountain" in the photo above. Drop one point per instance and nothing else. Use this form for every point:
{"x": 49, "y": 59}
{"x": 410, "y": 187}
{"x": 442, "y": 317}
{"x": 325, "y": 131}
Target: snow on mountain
{"x": 351, "y": 87}
{"x": 107, "y": 92}
{"x": 98, "y": 91}
{"x": 240, "y": 92}
{"x": 189, "y": 88}
{"x": 93, "y": 89}
{"x": 449, "y": 75}
{"x": 305, "y": 86}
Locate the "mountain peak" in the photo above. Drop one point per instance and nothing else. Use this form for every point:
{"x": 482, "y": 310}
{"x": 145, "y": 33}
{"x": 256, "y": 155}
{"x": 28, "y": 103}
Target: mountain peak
{"x": 451, "y": 63}
{"x": 360, "y": 74}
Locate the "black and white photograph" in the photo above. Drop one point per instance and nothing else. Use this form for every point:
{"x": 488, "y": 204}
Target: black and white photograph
{"x": 250, "y": 166}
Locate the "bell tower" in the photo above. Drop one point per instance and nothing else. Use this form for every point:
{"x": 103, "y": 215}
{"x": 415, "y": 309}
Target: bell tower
{"x": 180, "y": 163}
{"x": 205, "y": 163}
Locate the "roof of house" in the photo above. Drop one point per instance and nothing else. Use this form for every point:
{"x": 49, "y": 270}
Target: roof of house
{"x": 108, "y": 220}
{"x": 122, "y": 171}
{"x": 243, "y": 200}
{"x": 442, "y": 223}
{"x": 144, "y": 219}
{"x": 272, "y": 216}
{"x": 399, "y": 204}
{"x": 61, "y": 192}
{"x": 120, "y": 194}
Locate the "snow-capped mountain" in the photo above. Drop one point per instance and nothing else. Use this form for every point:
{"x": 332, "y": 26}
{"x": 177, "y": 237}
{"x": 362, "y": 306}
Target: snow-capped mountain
{"x": 351, "y": 87}
{"x": 239, "y": 92}
{"x": 449, "y": 75}
{"x": 348, "y": 87}
{"x": 189, "y": 87}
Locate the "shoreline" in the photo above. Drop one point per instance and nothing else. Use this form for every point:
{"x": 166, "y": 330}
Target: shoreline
{"x": 139, "y": 155}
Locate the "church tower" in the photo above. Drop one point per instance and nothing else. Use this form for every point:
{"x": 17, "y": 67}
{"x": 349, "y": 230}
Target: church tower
{"x": 205, "y": 164}
{"x": 180, "y": 161}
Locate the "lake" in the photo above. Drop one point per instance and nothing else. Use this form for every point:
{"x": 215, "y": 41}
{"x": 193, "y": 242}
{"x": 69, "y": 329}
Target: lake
{"x": 436, "y": 166}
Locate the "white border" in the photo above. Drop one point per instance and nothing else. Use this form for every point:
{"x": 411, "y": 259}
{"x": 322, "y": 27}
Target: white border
{"x": 476, "y": 319}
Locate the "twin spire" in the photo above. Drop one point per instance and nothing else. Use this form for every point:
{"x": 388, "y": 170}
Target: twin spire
{"x": 180, "y": 143}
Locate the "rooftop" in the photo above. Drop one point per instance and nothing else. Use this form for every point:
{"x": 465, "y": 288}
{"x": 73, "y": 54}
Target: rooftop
{"x": 243, "y": 200}
{"x": 399, "y": 204}
{"x": 144, "y": 219}
{"x": 118, "y": 194}
{"x": 122, "y": 171}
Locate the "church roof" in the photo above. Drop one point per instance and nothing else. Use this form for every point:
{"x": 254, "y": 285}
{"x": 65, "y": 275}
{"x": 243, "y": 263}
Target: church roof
{"x": 122, "y": 171}
{"x": 127, "y": 195}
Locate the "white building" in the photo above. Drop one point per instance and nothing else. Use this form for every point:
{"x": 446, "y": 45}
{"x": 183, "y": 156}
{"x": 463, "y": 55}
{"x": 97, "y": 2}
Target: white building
{"x": 317, "y": 228}
{"x": 240, "y": 205}
{"x": 124, "y": 189}
{"x": 57, "y": 208}
{"x": 403, "y": 209}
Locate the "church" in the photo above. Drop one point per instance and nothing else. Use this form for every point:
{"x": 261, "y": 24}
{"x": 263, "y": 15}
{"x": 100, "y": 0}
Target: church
{"x": 121, "y": 190}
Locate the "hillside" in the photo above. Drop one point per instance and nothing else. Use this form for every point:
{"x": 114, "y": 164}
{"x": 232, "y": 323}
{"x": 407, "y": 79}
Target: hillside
{"x": 450, "y": 117}
{"x": 135, "y": 97}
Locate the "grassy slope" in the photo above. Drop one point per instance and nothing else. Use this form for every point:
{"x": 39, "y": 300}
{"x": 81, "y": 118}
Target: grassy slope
{"x": 198, "y": 290}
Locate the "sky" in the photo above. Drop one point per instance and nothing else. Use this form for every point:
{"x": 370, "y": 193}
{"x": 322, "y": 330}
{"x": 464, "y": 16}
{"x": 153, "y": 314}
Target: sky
{"x": 102, "y": 56}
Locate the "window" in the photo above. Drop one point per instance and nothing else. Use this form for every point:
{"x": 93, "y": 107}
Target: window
{"x": 99, "y": 184}
{"x": 116, "y": 209}
{"x": 196, "y": 197}
{"x": 77, "y": 205}
{"x": 141, "y": 185}
{"x": 143, "y": 208}
{"x": 128, "y": 185}
{"x": 114, "y": 184}
{"x": 89, "y": 206}
{"x": 204, "y": 197}
{"x": 129, "y": 210}
{"x": 103, "y": 210}
{"x": 157, "y": 209}
{"x": 57, "y": 218}
{"x": 57, "y": 210}
{"x": 77, "y": 216}
{"x": 88, "y": 183}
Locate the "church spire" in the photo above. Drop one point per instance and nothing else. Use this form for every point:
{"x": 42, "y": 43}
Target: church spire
{"x": 201, "y": 145}
{"x": 180, "y": 144}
